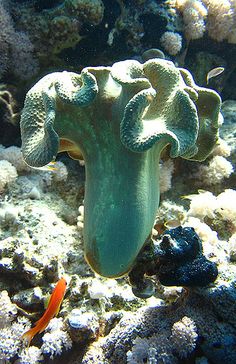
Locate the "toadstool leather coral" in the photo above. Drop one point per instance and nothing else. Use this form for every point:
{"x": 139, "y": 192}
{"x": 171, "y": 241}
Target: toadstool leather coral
{"x": 119, "y": 119}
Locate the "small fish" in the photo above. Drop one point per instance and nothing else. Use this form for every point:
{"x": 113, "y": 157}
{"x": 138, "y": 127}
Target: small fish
{"x": 214, "y": 72}
{"x": 189, "y": 197}
{"x": 49, "y": 167}
{"x": 171, "y": 224}
{"x": 52, "y": 310}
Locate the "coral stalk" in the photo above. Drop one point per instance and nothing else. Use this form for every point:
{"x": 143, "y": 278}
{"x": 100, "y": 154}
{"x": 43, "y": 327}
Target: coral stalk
{"x": 119, "y": 119}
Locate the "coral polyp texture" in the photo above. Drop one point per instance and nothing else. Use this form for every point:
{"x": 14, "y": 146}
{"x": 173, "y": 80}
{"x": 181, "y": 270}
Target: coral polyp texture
{"x": 217, "y": 17}
{"x": 54, "y": 28}
{"x": 119, "y": 119}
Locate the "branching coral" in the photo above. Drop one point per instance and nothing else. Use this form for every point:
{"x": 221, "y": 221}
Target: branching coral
{"x": 7, "y": 104}
{"x": 184, "y": 336}
{"x": 7, "y": 310}
{"x": 220, "y": 20}
{"x": 10, "y": 329}
{"x": 119, "y": 118}
{"x": 232, "y": 248}
{"x": 153, "y": 350}
{"x": 203, "y": 322}
{"x": 215, "y": 17}
{"x": 8, "y": 174}
{"x": 194, "y": 14}
{"x": 172, "y": 42}
{"x": 213, "y": 217}
{"x": 166, "y": 171}
{"x": 14, "y": 156}
{"x": 206, "y": 204}
{"x": 56, "y": 338}
{"x": 217, "y": 169}
{"x": 31, "y": 355}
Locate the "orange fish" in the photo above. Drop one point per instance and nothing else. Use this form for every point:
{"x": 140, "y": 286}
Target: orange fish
{"x": 52, "y": 310}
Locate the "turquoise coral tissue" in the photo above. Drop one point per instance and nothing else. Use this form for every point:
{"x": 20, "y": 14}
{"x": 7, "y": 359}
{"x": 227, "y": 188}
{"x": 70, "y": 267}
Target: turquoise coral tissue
{"x": 119, "y": 119}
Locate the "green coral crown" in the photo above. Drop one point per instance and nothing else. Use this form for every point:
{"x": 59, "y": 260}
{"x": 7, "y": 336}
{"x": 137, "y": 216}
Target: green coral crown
{"x": 119, "y": 119}
{"x": 163, "y": 104}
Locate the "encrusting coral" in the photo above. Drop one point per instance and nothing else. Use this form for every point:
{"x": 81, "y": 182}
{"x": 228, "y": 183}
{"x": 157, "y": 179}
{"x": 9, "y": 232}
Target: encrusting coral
{"x": 181, "y": 259}
{"x": 16, "y": 48}
{"x": 57, "y": 27}
{"x": 200, "y": 321}
{"x": 176, "y": 258}
{"x": 119, "y": 119}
